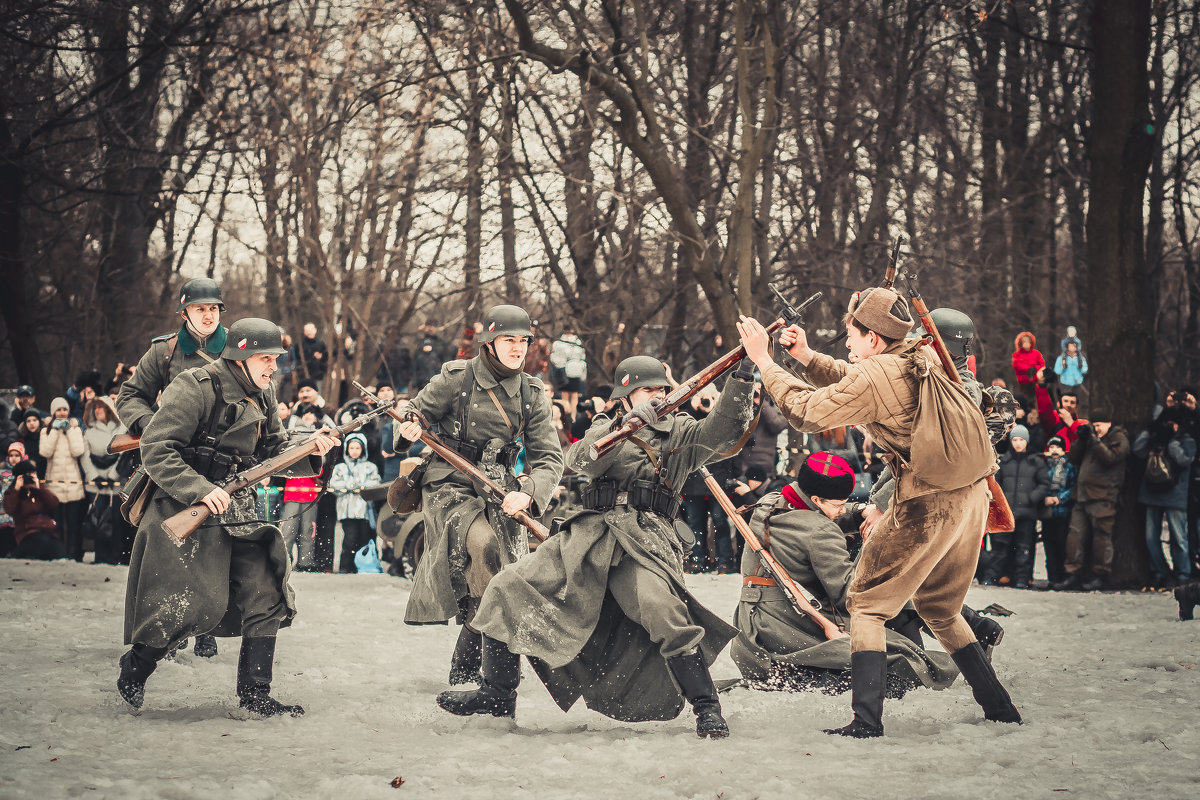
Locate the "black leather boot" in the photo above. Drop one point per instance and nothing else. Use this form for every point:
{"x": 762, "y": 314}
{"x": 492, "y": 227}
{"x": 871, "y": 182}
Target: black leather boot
{"x": 467, "y": 658}
{"x": 497, "y": 693}
{"x": 206, "y": 646}
{"x": 868, "y": 681}
{"x": 1188, "y": 597}
{"x": 989, "y": 692}
{"x": 696, "y": 683}
{"x": 136, "y": 667}
{"x": 989, "y": 632}
{"x": 255, "y": 664}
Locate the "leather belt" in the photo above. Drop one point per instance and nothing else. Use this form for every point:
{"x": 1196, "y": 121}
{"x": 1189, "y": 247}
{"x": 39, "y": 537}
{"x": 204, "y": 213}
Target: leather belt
{"x": 755, "y": 580}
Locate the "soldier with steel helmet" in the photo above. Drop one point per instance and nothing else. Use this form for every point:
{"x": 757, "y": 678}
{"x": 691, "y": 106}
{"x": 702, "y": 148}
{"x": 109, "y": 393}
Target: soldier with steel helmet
{"x": 199, "y": 341}
{"x": 230, "y": 578}
{"x": 615, "y": 574}
{"x": 489, "y": 411}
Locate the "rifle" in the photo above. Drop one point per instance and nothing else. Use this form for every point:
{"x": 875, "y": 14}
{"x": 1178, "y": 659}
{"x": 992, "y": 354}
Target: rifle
{"x": 889, "y": 278}
{"x": 454, "y": 459}
{"x": 801, "y": 599}
{"x": 1000, "y": 515}
{"x": 684, "y": 392}
{"x": 184, "y": 523}
{"x": 123, "y": 442}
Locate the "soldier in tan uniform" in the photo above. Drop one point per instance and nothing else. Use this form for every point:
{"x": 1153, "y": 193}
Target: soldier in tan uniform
{"x": 926, "y": 546}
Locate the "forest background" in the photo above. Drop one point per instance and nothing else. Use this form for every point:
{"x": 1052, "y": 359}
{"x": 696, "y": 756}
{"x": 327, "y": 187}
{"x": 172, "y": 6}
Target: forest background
{"x": 369, "y": 164}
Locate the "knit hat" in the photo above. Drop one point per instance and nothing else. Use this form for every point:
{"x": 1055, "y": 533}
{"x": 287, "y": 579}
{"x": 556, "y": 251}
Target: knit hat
{"x": 1056, "y": 441}
{"x": 1100, "y": 414}
{"x": 307, "y": 383}
{"x": 1019, "y": 432}
{"x": 57, "y": 403}
{"x": 18, "y": 446}
{"x": 827, "y": 476}
{"x": 882, "y": 311}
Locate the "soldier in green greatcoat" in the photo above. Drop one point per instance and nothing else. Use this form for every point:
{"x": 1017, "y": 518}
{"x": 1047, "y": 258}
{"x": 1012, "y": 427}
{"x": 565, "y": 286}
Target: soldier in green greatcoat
{"x": 777, "y": 647}
{"x": 230, "y": 578}
{"x": 601, "y": 609}
{"x": 199, "y": 341}
{"x": 487, "y": 409}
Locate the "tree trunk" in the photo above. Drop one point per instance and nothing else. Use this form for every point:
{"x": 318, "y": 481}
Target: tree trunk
{"x": 1119, "y": 309}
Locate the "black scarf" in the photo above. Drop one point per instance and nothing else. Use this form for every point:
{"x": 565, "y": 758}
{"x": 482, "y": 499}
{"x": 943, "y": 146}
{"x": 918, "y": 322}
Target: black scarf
{"x": 496, "y": 367}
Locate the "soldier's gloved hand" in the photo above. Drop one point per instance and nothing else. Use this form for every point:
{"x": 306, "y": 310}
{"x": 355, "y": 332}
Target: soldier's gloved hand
{"x": 745, "y": 370}
{"x": 647, "y": 412}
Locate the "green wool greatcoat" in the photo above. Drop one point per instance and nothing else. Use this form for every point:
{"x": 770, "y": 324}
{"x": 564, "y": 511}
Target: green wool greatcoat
{"x": 554, "y": 606}
{"x": 175, "y": 592}
{"x": 450, "y": 502}
{"x": 773, "y": 636}
{"x": 137, "y": 396}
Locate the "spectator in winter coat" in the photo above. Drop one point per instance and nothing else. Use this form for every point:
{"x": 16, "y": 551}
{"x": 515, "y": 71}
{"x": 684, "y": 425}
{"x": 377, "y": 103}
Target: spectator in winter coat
{"x": 1026, "y": 361}
{"x": 762, "y": 448}
{"x": 1025, "y": 482}
{"x": 8, "y": 428}
{"x": 1056, "y": 508}
{"x": 30, "y": 431}
{"x": 1062, "y": 420}
{"x": 26, "y": 400}
{"x": 1165, "y": 495}
{"x": 699, "y": 505}
{"x": 102, "y": 482}
{"x": 1071, "y": 367}
{"x": 15, "y": 455}
{"x": 569, "y": 362}
{"x": 1099, "y": 454}
{"x": 314, "y": 355}
{"x": 355, "y": 473}
{"x": 61, "y": 444}
{"x": 32, "y": 509}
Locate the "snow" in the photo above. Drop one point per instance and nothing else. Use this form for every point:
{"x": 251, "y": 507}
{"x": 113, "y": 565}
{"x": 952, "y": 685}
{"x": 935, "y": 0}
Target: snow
{"x": 1107, "y": 683}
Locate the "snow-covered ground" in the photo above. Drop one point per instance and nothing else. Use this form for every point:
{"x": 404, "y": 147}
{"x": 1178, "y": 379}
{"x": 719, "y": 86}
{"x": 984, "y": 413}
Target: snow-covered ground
{"x": 1108, "y": 685}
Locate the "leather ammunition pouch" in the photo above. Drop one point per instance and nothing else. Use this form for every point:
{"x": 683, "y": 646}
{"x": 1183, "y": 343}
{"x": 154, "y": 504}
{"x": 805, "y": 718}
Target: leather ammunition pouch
{"x": 599, "y": 495}
{"x": 651, "y": 496}
{"x": 505, "y": 457}
{"x": 215, "y": 465}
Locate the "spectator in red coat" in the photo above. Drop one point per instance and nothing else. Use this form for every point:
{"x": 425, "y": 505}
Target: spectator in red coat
{"x": 1061, "y": 421}
{"x": 1027, "y": 362}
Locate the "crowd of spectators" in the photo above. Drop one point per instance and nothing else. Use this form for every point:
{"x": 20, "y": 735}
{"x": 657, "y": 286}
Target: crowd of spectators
{"x": 1062, "y": 467}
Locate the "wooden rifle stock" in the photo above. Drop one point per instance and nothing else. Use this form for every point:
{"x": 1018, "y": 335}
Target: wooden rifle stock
{"x": 801, "y": 600}
{"x": 456, "y": 460}
{"x": 183, "y": 524}
{"x": 123, "y": 442}
{"x": 1000, "y": 514}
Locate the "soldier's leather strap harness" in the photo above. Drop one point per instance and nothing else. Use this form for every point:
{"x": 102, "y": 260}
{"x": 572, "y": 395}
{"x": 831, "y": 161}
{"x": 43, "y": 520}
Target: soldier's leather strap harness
{"x": 459, "y": 442}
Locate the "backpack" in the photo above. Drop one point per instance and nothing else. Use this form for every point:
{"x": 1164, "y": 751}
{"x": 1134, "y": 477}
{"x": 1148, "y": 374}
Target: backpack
{"x": 1161, "y": 471}
{"x": 950, "y": 444}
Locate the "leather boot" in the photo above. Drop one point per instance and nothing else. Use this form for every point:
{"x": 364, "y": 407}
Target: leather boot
{"x": 136, "y": 667}
{"x": 497, "y": 693}
{"x": 1188, "y": 597}
{"x": 206, "y": 646}
{"x": 868, "y": 680}
{"x": 989, "y": 692}
{"x": 255, "y": 664}
{"x": 989, "y": 632}
{"x": 696, "y": 683}
{"x": 467, "y": 658}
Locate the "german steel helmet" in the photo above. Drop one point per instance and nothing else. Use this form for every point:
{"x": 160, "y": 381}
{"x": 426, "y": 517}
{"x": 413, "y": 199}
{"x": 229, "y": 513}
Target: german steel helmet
{"x": 637, "y": 372}
{"x": 251, "y": 337}
{"x": 505, "y": 321}
{"x": 956, "y": 329}
{"x": 200, "y": 290}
